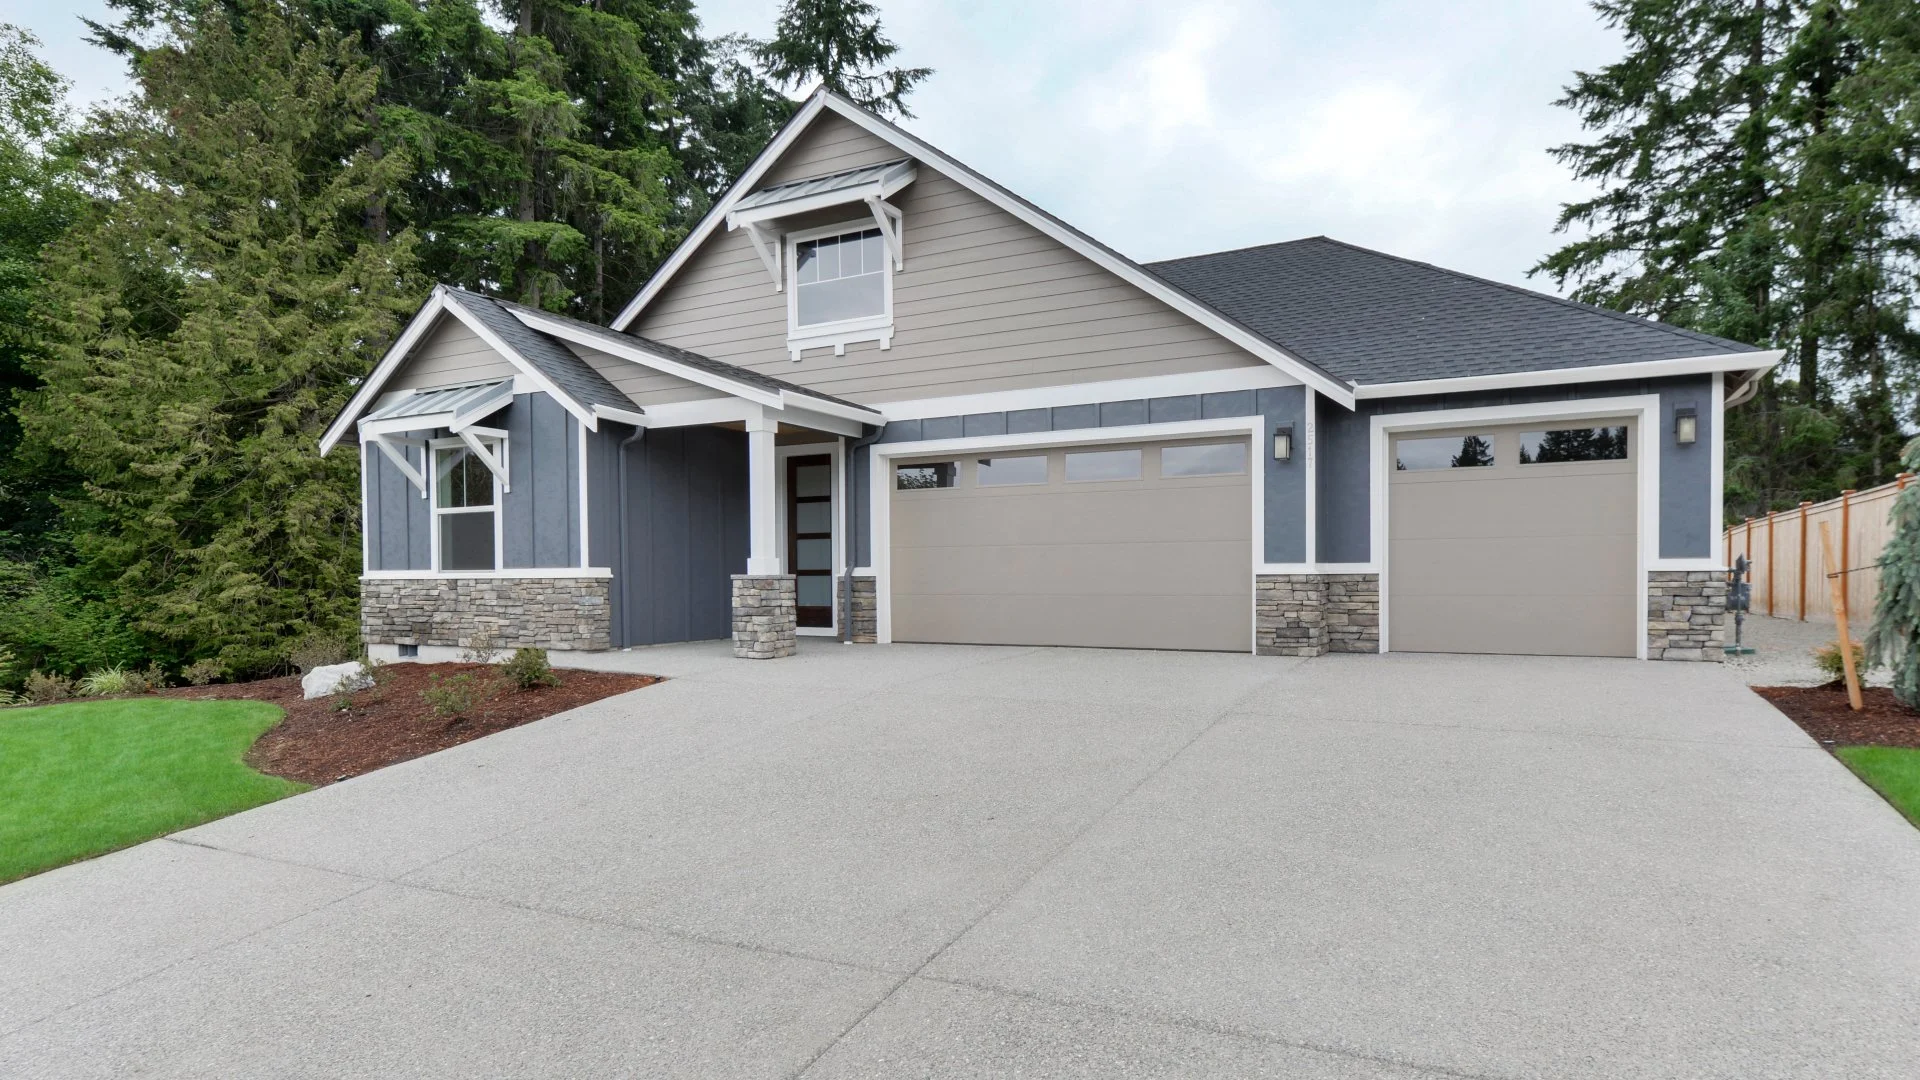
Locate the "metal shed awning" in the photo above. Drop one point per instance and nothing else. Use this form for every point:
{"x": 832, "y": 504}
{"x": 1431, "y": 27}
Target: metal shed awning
{"x": 457, "y": 409}
{"x": 869, "y": 185}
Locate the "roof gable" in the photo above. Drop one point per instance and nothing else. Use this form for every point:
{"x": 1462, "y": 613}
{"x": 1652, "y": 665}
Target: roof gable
{"x": 1373, "y": 318}
{"x": 826, "y": 119}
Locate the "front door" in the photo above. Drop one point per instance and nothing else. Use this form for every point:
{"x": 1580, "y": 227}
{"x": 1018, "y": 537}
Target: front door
{"x": 810, "y": 536}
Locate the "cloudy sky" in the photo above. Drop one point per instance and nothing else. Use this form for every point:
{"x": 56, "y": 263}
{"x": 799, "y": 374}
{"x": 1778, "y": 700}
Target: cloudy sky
{"x": 1415, "y": 127}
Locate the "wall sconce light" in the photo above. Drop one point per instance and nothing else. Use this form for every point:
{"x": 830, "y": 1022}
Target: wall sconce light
{"x": 1283, "y": 443}
{"x": 1686, "y": 425}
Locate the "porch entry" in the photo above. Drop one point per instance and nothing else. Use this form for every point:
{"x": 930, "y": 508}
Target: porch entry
{"x": 810, "y": 537}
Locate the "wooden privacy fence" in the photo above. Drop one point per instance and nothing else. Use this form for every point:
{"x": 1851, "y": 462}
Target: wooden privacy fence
{"x": 1783, "y": 548}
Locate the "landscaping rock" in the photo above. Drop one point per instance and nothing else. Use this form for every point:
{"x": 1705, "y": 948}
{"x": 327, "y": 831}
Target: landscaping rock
{"x": 335, "y": 678}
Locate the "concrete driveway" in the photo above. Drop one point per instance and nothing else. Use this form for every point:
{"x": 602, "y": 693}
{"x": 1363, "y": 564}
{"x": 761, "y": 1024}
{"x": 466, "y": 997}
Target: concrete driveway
{"x": 934, "y": 861}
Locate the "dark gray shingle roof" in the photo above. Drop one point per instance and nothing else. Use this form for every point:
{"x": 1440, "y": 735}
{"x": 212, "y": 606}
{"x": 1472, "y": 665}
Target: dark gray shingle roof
{"x": 691, "y": 359}
{"x": 1369, "y": 317}
{"x": 574, "y": 376}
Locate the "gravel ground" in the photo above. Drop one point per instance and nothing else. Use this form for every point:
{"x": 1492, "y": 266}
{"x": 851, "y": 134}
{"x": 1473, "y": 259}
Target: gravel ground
{"x": 1783, "y": 652}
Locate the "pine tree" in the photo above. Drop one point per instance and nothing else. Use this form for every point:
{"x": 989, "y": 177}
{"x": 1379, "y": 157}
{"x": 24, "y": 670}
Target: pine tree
{"x": 839, "y": 45}
{"x": 211, "y": 313}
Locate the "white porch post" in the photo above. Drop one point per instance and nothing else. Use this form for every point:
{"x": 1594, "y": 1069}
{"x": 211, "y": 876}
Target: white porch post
{"x": 763, "y": 552}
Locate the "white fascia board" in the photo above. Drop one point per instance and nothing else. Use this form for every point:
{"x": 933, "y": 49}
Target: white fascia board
{"x": 647, "y": 358}
{"x": 423, "y": 320}
{"x": 1178, "y": 429}
{"x": 486, "y": 334}
{"x": 397, "y": 424}
{"x": 698, "y": 237}
{"x": 809, "y": 403}
{"x": 632, "y": 418}
{"x": 1125, "y": 269}
{"x": 725, "y": 410}
{"x": 1225, "y": 380}
{"x": 1121, "y": 267}
{"x": 881, "y": 188}
{"x": 1650, "y": 369}
{"x": 817, "y": 421}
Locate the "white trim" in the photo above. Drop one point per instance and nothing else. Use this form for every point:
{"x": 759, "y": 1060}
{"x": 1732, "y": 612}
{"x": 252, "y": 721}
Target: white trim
{"x": 750, "y": 179}
{"x": 640, "y": 354}
{"x": 766, "y": 245}
{"x": 1717, "y": 461}
{"x": 763, "y": 502}
{"x": 844, "y": 332}
{"x": 527, "y": 572}
{"x": 1221, "y": 381}
{"x": 1113, "y": 263}
{"x": 1310, "y": 497}
{"x": 834, "y": 448}
{"x": 366, "y": 506}
{"x": 1648, "y": 369}
{"x": 1644, "y": 408}
{"x": 399, "y": 459}
{"x": 632, "y": 418}
{"x": 1316, "y": 568}
{"x": 495, "y": 465}
{"x": 880, "y": 492}
{"x": 790, "y": 400}
{"x": 422, "y": 321}
{"x": 585, "y": 517}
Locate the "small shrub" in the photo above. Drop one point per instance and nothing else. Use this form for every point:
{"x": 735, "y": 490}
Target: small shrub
{"x": 107, "y": 682}
{"x": 44, "y": 689}
{"x": 528, "y": 668}
{"x": 8, "y": 699}
{"x": 318, "y": 649}
{"x": 1827, "y": 658}
{"x": 457, "y": 695}
{"x": 379, "y": 671}
{"x": 202, "y": 672}
{"x": 482, "y": 648}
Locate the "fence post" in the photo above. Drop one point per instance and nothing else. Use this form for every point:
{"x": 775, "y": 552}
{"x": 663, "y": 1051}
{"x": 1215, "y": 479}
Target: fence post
{"x": 1770, "y": 514}
{"x": 1900, "y": 482}
{"x": 1803, "y": 560}
{"x": 1846, "y": 544}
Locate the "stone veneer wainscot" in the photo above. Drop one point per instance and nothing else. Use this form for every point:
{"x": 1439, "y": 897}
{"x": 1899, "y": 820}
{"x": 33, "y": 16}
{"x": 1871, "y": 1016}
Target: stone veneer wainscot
{"x": 1315, "y": 614}
{"x": 1686, "y": 615}
{"x": 765, "y": 615}
{"x": 519, "y": 612}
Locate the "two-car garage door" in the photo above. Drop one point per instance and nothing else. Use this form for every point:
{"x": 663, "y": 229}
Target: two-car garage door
{"x": 1145, "y": 546}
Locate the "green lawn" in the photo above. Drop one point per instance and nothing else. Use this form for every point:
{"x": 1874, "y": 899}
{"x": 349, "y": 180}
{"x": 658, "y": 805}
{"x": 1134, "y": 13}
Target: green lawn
{"x": 85, "y": 778}
{"x": 1891, "y": 771}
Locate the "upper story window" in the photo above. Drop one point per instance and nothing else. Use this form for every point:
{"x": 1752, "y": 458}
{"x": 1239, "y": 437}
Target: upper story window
{"x": 842, "y": 288}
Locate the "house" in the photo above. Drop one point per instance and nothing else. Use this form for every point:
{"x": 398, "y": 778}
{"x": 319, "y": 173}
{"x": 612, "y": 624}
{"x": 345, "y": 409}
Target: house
{"x": 876, "y": 395}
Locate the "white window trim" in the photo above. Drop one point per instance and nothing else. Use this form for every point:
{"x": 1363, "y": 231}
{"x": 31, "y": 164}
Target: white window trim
{"x": 498, "y": 509}
{"x": 837, "y": 335}
{"x": 880, "y": 488}
{"x": 1643, "y": 409}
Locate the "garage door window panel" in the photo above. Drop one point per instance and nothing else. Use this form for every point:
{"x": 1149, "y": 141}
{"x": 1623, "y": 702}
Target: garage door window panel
{"x": 1473, "y": 450}
{"x": 927, "y": 476}
{"x": 1205, "y": 459}
{"x": 1568, "y": 445}
{"x": 1011, "y": 471}
{"x": 1104, "y": 465}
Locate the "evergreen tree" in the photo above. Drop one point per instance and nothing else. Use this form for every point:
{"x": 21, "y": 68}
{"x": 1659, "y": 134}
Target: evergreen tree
{"x": 211, "y": 312}
{"x": 839, "y": 44}
{"x": 1475, "y": 451}
{"x": 1894, "y": 639}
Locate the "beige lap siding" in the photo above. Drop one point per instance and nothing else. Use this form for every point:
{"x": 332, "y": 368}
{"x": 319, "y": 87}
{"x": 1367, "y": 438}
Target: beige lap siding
{"x": 985, "y": 303}
{"x": 451, "y": 355}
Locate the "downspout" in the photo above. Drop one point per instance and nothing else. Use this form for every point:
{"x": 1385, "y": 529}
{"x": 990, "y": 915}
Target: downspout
{"x": 626, "y": 569}
{"x": 853, "y": 530}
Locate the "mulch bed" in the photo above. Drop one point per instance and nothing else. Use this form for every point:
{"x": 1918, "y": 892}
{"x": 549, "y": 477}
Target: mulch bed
{"x": 319, "y": 744}
{"x": 1824, "y": 713}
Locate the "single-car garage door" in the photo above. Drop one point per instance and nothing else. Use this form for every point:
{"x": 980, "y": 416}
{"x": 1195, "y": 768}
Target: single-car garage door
{"x": 1143, "y": 546}
{"x": 1514, "y": 539}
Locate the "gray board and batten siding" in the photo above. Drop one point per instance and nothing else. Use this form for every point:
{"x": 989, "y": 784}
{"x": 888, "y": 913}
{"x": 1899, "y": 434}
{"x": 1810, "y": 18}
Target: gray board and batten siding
{"x": 1686, "y": 482}
{"x": 540, "y": 514}
{"x": 985, "y": 302}
{"x": 686, "y": 532}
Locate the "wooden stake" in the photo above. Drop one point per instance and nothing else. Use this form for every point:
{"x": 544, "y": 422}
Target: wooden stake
{"x": 1837, "y": 582}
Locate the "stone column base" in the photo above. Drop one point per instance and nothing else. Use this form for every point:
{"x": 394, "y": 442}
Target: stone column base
{"x": 1315, "y": 614}
{"x": 764, "y": 616}
{"x": 865, "y": 622}
{"x": 1686, "y": 615}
